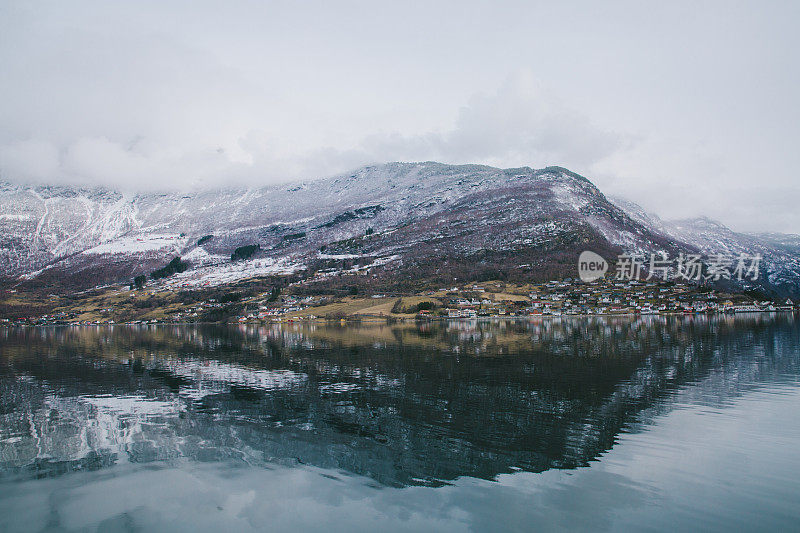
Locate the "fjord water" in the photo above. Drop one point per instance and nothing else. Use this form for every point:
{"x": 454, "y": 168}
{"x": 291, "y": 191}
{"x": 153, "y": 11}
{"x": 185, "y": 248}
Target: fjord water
{"x": 658, "y": 423}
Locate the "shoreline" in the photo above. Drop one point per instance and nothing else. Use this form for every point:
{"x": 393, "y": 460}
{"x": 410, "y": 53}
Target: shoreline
{"x": 360, "y": 319}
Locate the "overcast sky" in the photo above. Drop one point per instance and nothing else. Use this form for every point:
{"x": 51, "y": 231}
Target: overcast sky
{"x": 686, "y": 108}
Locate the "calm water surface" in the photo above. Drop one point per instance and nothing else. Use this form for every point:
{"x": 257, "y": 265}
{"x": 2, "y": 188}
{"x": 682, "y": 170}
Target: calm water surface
{"x": 575, "y": 424}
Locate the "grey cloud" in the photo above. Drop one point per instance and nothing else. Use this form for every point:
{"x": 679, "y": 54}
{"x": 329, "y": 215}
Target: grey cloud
{"x": 521, "y": 124}
{"x": 676, "y": 112}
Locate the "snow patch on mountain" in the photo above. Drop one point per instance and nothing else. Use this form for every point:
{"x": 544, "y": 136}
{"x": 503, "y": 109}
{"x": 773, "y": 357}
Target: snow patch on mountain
{"x": 219, "y": 274}
{"x": 139, "y": 244}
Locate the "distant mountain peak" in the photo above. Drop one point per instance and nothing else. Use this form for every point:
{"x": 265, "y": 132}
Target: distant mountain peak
{"x": 701, "y": 222}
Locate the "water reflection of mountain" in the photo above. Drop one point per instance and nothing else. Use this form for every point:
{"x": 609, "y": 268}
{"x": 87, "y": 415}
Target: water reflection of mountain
{"x": 403, "y": 405}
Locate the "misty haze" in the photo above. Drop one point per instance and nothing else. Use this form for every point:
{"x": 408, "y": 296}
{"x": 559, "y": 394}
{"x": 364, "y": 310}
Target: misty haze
{"x": 452, "y": 266}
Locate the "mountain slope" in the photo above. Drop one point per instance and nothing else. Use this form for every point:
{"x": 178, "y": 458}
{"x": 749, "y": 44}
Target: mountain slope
{"x": 395, "y": 222}
{"x": 780, "y": 253}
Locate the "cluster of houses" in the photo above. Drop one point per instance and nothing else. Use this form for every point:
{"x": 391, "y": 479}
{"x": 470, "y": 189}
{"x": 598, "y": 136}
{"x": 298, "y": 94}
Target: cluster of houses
{"x": 42, "y": 320}
{"x": 605, "y": 297}
{"x": 287, "y": 305}
{"x": 194, "y": 311}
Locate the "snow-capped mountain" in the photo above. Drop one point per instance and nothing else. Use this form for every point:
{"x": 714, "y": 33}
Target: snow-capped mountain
{"x": 405, "y": 220}
{"x": 780, "y": 252}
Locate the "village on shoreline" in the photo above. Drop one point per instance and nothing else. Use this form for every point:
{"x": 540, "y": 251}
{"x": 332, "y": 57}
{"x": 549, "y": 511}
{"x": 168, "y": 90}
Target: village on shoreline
{"x": 491, "y": 299}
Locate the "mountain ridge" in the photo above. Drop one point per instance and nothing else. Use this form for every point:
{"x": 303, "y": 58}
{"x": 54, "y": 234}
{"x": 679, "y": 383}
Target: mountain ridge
{"x": 403, "y": 219}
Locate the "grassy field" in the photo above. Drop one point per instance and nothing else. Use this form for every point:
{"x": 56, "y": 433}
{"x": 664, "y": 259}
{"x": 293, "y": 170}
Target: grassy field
{"x": 120, "y": 304}
{"x": 365, "y": 307}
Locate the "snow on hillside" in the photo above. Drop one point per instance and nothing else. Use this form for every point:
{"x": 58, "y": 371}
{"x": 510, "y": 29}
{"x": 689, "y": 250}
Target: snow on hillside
{"x": 221, "y": 273}
{"x": 139, "y": 244}
{"x": 780, "y": 265}
{"x": 410, "y": 211}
